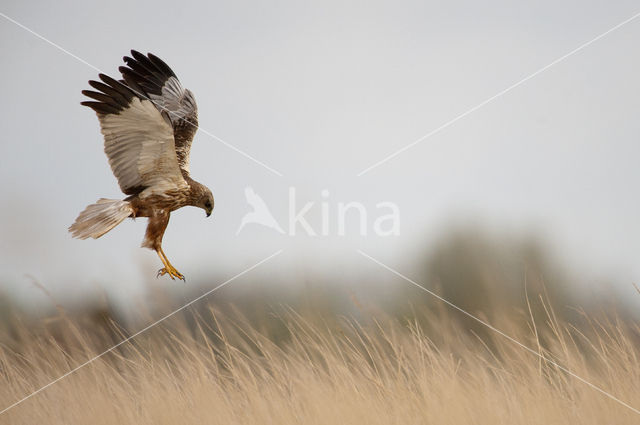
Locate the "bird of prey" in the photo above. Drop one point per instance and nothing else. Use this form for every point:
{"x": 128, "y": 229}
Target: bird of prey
{"x": 148, "y": 120}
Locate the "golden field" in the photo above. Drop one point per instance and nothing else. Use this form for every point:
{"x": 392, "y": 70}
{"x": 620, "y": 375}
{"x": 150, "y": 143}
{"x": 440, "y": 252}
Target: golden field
{"x": 207, "y": 366}
{"x": 327, "y": 352}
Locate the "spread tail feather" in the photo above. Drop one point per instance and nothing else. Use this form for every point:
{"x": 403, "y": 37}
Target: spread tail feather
{"x": 97, "y": 219}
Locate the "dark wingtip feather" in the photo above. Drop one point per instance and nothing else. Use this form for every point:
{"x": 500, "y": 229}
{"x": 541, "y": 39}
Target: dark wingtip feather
{"x": 148, "y": 83}
{"x": 100, "y": 108}
{"x": 131, "y": 82}
{"x": 138, "y": 56}
{"x": 105, "y": 98}
{"x": 128, "y": 72}
{"x": 141, "y": 61}
{"x": 121, "y": 95}
{"x": 161, "y": 65}
{"x": 109, "y": 81}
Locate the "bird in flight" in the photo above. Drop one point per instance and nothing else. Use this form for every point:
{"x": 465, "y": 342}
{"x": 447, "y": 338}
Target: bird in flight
{"x": 148, "y": 120}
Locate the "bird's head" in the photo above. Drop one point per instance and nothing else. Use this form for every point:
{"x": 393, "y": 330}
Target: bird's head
{"x": 205, "y": 201}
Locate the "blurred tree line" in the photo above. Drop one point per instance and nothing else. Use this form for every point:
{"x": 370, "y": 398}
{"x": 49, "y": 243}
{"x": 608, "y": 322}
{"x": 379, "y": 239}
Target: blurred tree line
{"x": 508, "y": 282}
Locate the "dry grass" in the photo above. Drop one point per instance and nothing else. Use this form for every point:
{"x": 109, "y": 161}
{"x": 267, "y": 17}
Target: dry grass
{"x": 209, "y": 368}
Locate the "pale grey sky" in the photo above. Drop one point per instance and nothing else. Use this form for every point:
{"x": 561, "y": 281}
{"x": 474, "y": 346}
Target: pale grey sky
{"x": 320, "y": 92}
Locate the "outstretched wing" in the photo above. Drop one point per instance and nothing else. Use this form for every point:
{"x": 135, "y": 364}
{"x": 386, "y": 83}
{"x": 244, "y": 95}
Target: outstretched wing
{"x": 162, "y": 86}
{"x": 138, "y": 139}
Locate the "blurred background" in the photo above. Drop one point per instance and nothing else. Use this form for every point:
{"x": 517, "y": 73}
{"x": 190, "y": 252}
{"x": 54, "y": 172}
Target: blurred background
{"x": 536, "y": 191}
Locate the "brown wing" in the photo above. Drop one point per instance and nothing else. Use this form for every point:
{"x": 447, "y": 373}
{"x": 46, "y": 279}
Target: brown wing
{"x": 162, "y": 86}
{"x": 138, "y": 139}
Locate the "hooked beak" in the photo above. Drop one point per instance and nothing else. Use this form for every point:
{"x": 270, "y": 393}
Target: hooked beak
{"x": 208, "y": 213}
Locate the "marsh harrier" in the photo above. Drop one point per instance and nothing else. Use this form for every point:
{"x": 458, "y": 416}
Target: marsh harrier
{"x": 148, "y": 120}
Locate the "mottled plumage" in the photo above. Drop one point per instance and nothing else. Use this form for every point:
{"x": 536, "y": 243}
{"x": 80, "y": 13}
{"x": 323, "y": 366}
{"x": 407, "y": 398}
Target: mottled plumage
{"x": 148, "y": 121}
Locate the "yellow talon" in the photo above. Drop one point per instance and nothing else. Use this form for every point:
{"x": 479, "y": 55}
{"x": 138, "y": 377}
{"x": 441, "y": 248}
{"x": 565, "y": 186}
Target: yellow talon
{"x": 173, "y": 273}
{"x": 168, "y": 268}
{"x": 162, "y": 272}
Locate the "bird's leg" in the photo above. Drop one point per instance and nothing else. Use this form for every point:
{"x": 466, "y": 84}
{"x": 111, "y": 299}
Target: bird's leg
{"x": 168, "y": 268}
